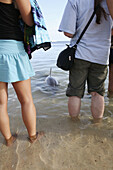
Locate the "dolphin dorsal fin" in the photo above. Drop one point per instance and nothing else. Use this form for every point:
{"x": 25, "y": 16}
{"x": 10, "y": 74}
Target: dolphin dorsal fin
{"x": 50, "y": 71}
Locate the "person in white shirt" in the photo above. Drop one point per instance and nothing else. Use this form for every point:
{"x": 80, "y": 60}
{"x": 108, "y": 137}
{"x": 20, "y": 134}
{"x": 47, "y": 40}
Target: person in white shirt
{"x": 92, "y": 54}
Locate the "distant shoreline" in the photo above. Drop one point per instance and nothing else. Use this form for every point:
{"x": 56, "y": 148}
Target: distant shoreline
{"x": 60, "y": 41}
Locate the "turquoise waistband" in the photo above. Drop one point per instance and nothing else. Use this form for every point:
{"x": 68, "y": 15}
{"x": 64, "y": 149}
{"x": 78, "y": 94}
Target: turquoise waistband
{"x": 11, "y": 46}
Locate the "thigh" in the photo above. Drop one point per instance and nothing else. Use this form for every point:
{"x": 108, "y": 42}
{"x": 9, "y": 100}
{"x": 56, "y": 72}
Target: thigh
{"x": 23, "y": 90}
{"x": 96, "y": 78}
{"x": 77, "y": 78}
{"x": 3, "y": 92}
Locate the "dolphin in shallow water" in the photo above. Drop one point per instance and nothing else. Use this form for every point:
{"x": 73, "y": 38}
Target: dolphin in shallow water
{"x": 51, "y": 81}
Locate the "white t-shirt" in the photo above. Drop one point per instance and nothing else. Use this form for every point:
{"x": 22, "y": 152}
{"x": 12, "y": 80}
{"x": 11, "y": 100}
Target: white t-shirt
{"x": 95, "y": 44}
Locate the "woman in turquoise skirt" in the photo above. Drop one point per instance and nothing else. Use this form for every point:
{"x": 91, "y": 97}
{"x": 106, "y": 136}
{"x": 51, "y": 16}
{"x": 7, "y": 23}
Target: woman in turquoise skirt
{"x": 15, "y": 68}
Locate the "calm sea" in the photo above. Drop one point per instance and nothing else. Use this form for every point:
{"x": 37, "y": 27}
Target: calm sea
{"x": 52, "y": 102}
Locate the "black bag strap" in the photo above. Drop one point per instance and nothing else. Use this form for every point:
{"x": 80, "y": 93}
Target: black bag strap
{"x": 87, "y": 25}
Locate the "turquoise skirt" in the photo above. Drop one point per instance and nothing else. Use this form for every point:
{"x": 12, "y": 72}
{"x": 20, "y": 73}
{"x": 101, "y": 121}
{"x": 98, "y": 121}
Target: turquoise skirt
{"x": 14, "y": 62}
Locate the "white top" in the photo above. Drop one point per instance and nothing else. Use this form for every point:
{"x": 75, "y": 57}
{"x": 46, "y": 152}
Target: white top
{"x": 95, "y": 43}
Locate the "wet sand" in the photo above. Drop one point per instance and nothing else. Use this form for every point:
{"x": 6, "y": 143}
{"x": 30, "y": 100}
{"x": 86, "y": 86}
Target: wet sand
{"x": 67, "y": 145}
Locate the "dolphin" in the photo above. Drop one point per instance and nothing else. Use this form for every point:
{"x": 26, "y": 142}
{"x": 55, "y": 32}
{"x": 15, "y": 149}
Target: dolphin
{"x": 51, "y": 81}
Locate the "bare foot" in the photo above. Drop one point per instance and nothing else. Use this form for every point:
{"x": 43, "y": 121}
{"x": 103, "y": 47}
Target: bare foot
{"x": 36, "y": 137}
{"x": 11, "y": 140}
{"x": 96, "y": 121}
{"x": 76, "y": 118}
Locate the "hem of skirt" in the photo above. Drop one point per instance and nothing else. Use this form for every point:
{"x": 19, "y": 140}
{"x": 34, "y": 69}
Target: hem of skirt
{"x": 13, "y": 81}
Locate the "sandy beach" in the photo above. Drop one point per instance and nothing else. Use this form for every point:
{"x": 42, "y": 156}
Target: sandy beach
{"x": 67, "y": 145}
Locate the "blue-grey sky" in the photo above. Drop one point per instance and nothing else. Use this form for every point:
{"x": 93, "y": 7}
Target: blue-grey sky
{"x": 52, "y": 11}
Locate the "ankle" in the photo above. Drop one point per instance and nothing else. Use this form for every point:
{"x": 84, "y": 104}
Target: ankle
{"x": 33, "y": 138}
{"x": 75, "y": 118}
{"x": 8, "y": 137}
{"x": 11, "y": 140}
{"x": 97, "y": 120}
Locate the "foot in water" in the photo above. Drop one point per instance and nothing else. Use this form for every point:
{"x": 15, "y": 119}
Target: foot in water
{"x": 33, "y": 139}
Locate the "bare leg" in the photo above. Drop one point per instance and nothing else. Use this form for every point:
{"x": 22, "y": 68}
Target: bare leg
{"x": 23, "y": 91}
{"x": 110, "y": 86}
{"x": 74, "y": 104}
{"x": 4, "y": 118}
{"x": 97, "y": 106}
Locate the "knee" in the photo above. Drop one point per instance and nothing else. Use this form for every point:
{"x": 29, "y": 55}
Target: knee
{"x": 26, "y": 101}
{"x": 94, "y": 94}
{"x": 3, "y": 101}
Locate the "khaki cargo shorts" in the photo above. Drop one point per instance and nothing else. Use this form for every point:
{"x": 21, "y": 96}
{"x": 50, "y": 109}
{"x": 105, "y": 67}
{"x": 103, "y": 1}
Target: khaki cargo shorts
{"x": 85, "y": 71}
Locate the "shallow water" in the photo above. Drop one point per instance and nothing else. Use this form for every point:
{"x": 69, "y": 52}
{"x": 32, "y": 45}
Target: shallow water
{"x": 67, "y": 145}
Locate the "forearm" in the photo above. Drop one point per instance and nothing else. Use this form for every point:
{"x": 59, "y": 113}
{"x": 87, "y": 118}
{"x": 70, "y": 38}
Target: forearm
{"x": 110, "y": 7}
{"x": 68, "y": 35}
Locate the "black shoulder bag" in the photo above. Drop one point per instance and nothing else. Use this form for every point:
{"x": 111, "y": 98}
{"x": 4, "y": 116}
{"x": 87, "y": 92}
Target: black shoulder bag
{"x": 66, "y": 57}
